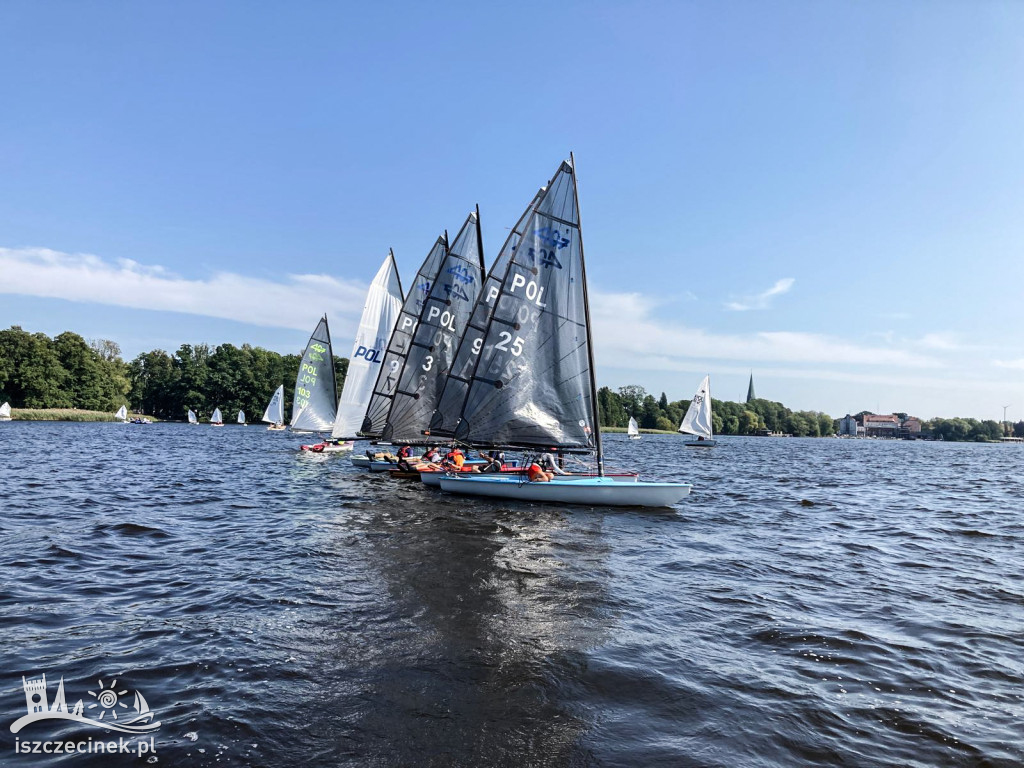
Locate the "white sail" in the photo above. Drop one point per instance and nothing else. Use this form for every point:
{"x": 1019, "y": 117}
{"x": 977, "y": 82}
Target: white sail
{"x": 697, "y": 420}
{"x": 380, "y": 313}
{"x": 275, "y": 410}
{"x": 315, "y": 403}
{"x": 192, "y": 419}
{"x": 5, "y": 412}
{"x": 241, "y": 417}
{"x": 634, "y": 429}
{"x": 122, "y": 413}
{"x": 216, "y": 418}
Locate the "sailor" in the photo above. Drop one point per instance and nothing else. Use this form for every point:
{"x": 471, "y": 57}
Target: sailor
{"x": 535, "y": 474}
{"x": 548, "y": 463}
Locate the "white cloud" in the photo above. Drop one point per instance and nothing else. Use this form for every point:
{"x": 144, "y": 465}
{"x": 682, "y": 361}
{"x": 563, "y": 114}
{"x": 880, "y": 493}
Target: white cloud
{"x": 943, "y": 341}
{"x": 1014, "y": 365}
{"x": 626, "y": 335}
{"x": 763, "y": 299}
{"x": 294, "y": 301}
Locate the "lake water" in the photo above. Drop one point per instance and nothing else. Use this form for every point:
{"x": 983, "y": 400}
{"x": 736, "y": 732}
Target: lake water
{"x": 813, "y": 602}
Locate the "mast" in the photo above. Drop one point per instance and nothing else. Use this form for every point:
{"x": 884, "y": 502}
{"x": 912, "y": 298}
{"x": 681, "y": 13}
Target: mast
{"x": 483, "y": 269}
{"x": 586, "y": 314}
{"x": 398, "y": 275}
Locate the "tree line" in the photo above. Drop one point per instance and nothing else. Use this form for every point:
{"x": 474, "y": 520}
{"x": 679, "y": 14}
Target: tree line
{"x": 69, "y": 372}
{"x": 727, "y": 418}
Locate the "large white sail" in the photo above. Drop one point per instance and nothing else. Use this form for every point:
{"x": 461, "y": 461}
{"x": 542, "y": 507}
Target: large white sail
{"x": 216, "y": 418}
{"x": 275, "y": 409}
{"x": 241, "y": 417}
{"x": 192, "y": 419}
{"x": 316, "y": 392}
{"x": 697, "y": 420}
{"x": 634, "y": 429}
{"x": 5, "y": 412}
{"x": 122, "y": 413}
{"x": 380, "y": 313}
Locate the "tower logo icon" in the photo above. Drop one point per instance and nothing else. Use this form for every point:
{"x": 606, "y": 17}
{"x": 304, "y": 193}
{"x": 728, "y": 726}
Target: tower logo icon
{"x": 109, "y": 707}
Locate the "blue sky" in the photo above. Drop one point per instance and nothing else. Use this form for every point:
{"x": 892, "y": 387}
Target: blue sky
{"x": 829, "y": 194}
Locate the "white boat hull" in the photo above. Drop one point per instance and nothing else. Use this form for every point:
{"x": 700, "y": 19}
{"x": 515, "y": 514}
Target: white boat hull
{"x": 594, "y": 491}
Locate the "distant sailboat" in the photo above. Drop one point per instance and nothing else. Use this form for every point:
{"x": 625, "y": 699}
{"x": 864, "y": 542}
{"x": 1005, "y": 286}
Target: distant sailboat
{"x": 122, "y": 414}
{"x": 192, "y": 419}
{"x": 5, "y": 412}
{"x": 216, "y": 419}
{"x": 241, "y": 418}
{"x": 274, "y": 415}
{"x": 633, "y": 430}
{"x": 697, "y": 420}
{"x": 316, "y": 392}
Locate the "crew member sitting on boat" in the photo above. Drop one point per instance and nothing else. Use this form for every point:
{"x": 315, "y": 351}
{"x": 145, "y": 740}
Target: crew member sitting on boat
{"x": 493, "y": 463}
{"x": 455, "y": 458}
{"x": 404, "y": 454}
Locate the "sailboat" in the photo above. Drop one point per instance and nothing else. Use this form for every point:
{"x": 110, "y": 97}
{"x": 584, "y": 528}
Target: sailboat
{"x": 192, "y": 418}
{"x": 5, "y": 412}
{"x": 533, "y": 386}
{"x": 380, "y": 312}
{"x": 241, "y": 418}
{"x": 316, "y": 392}
{"x": 122, "y": 414}
{"x": 216, "y": 419}
{"x": 633, "y": 430}
{"x": 697, "y": 420}
{"x": 274, "y": 415}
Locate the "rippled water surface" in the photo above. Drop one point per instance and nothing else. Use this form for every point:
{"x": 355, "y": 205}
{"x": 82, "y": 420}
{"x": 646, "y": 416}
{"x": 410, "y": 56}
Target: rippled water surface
{"x": 813, "y": 602}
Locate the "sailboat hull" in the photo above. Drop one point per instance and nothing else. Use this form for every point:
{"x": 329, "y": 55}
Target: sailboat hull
{"x": 593, "y": 491}
{"x": 700, "y": 443}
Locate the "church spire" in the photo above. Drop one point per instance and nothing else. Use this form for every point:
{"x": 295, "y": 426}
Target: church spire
{"x": 750, "y": 389}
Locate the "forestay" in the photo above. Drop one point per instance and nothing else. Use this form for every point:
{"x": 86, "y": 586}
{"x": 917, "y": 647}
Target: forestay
{"x": 383, "y": 304}
{"x": 275, "y": 409}
{"x": 533, "y": 386}
{"x": 441, "y": 325}
{"x": 697, "y": 420}
{"x": 315, "y": 388}
{"x": 448, "y": 410}
{"x": 401, "y": 341}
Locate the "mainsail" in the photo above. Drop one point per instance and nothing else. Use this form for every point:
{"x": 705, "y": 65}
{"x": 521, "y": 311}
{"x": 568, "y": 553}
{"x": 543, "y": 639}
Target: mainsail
{"x": 534, "y": 386}
{"x": 316, "y": 391}
{"x": 449, "y": 406}
{"x": 697, "y": 420}
{"x": 192, "y": 419}
{"x": 633, "y": 429}
{"x": 216, "y": 418}
{"x": 122, "y": 413}
{"x": 241, "y": 417}
{"x": 275, "y": 409}
{"x": 441, "y": 325}
{"x": 401, "y": 341}
{"x": 380, "y": 313}
{"x": 5, "y": 411}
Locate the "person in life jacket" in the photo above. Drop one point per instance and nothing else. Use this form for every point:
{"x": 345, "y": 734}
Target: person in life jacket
{"x": 455, "y": 458}
{"x": 535, "y": 474}
{"x": 404, "y": 453}
{"x": 548, "y": 463}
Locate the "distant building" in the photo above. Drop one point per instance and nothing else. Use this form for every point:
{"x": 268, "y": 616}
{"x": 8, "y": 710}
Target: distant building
{"x": 750, "y": 389}
{"x": 848, "y": 426}
{"x": 881, "y": 426}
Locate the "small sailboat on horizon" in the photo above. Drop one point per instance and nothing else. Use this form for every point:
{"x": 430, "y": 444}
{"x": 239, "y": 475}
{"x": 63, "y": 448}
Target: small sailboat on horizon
{"x": 697, "y": 420}
{"x": 122, "y": 414}
{"x": 5, "y": 412}
{"x": 192, "y": 418}
{"x": 274, "y": 415}
{"x": 241, "y": 418}
{"x": 633, "y": 430}
{"x": 216, "y": 420}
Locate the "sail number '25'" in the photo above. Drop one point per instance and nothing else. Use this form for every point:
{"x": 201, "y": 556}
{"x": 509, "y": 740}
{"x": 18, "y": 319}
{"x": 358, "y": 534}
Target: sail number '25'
{"x": 517, "y": 345}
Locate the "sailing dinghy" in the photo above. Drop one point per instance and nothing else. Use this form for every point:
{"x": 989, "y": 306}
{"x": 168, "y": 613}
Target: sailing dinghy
{"x": 380, "y": 313}
{"x": 633, "y": 430}
{"x": 241, "y": 418}
{"x": 192, "y": 419}
{"x": 274, "y": 415}
{"x": 216, "y": 420}
{"x": 533, "y": 383}
{"x": 122, "y": 414}
{"x": 5, "y": 412}
{"x": 316, "y": 391}
{"x": 697, "y": 420}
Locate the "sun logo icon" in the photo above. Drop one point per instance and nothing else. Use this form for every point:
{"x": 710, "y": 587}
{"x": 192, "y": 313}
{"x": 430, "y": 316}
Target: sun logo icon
{"x": 108, "y": 699}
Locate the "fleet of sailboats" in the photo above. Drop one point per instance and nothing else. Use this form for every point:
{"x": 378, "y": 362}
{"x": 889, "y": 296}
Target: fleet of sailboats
{"x": 499, "y": 359}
